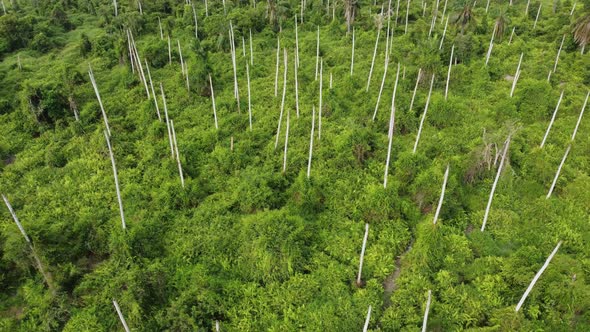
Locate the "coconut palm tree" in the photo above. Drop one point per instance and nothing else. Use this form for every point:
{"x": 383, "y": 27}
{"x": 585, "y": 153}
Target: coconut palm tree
{"x": 465, "y": 18}
{"x": 351, "y": 7}
{"x": 582, "y": 31}
{"x": 500, "y": 25}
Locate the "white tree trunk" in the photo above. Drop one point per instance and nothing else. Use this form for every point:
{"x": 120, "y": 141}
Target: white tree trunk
{"x": 526, "y": 9}
{"x": 381, "y": 88}
{"x": 444, "y": 33}
{"x": 251, "y": 50}
{"x": 352, "y": 56}
{"x": 296, "y": 43}
{"x": 169, "y": 51}
{"x": 131, "y": 61}
{"x": 487, "y": 213}
{"x": 415, "y": 89}
{"x": 320, "y": 106}
{"x": 104, "y": 114}
{"x": 181, "y": 59}
{"x": 213, "y": 102}
{"x": 367, "y": 320}
{"x": 283, "y": 98}
{"x": 373, "y": 61}
{"x": 449, "y": 72}
{"x": 311, "y": 142}
{"x": 161, "y": 30}
{"x": 489, "y": 53}
{"x": 317, "y": 54}
{"x": 567, "y": 151}
{"x": 116, "y": 10}
{"x": 532, "y": 284}
{"x": 516, "y": 75}
{"x": 407, "y": 15}
{"x": 444, "y": 12}
{"x": 390, "y": 131}
{"x": 176, "y": 152}
{"x": 15, "y": 218}
{"x": 249, "y": 100}
{"x": 106, "y": 136}
{"x": 571, "y": 12}
{"x": 153, "y": 91}
{"x": 558, "y": 53}
{"x": 358, "y": 278}
{"x": 277, "y": 68}
{"x": 424, "y": 115}
{"x": 121, "y": 315}
{"x": 442, "y": 196}
{"x": 425, "y": 321}
{"x": 196, "y": 22}
{"x": 552, "y": 119}
{"x": 167, "y": 121}
{"x": 580, "y": 116}
{"x": 537, "y": 17}
{"x": 206, "y": 8}
{"x": 295, "y": 65}
{"x": 511, "y": 36}
{"x": 286, "y": 141}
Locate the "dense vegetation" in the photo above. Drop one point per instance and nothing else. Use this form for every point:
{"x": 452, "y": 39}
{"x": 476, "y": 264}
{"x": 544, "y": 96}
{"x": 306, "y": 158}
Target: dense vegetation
{"x": 257, "y": 248}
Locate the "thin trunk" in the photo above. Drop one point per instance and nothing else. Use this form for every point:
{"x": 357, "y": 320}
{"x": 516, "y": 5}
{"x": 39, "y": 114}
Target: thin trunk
{"x": 407, "y": 16}
{"x": 140, "y": 8}
{"x": 206, "y": 8}
{"x": 373, "y": 61}
{"x": 153, "y": 91}
{"x": 104, "y": 114}
{"x": 121, "y": 315}
{"x": 296, "y": 45}
{"x": 282, "y": 99}
{"x": 444, "y": 33}
{"x": 526, "y": 9}
{"x": 320, "y": 106}
{"x": 296, "y": 85}
{"x": 176, "y": 152}
{"x": 3, "y": 7}
{"x": 442, "y": 196}
{"x": 516, "y": 75}
{"x": 552, "y": 119}
{"x": 488, "y": 6}
{"x": 449, "y": 72}
{"x": 140, "y": 66}
{"x": 415, "y": 89}
{"x": 425, "y": 321}
{"x": 188, "y": 88}
{"x": 537, "y": 17}
{"x": 243, "y": 47}
{"x": 390, "y": 132}
{"x": 381, "y": 88}
{"x": 489, "y": 53}
{"x": 571, "y": 12}
{"x": 15, "y": 218}
{"x": 106, "y": 136}
{"x": 116, "y": 10}
{"x": 311, "y": 142}
{"x": 511, "y": 36}
{"x": 249, "y": 100}
{"x": 130, "y": 52}
{"x": 352, "y": 56}
{"x": 367, "y": 320}
{"x": 169, "y": 51}
{"x": 558, "y": 172}
{"x": 532, "y": 284}
{"x": 251, "y": 50}
{"x": 580, "y": 116}
{"x": 161, "y": 30}
{"x": 167, "y": 121}
{"x": 424, "y": 115}
{"x": 444, "y": 12}
{"x": 196, "y": 22}
{"x": 213, "y": 101}
{"x": 277, "y": 70}
{"x": 317, "y": 54}
{"x": 558, "y": 53}
{"x": 286, "y": 142}
{"x": 487, "y": 213}
{"x": 358, "y": 278}
{"x": 549, "y": 76}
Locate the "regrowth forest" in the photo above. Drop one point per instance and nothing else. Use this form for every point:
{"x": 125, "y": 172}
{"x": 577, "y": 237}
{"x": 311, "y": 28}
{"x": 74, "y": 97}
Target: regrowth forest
{"x": 294, "y": 165}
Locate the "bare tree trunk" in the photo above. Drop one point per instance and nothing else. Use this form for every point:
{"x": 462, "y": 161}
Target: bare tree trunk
{"x": 283, "y": 98}
{"x": 425, "y": 321}
{"x": 196, "y": 22}
{"x": 407, "y": 15}
{"x": 489, "y": 53}
{"x": 104, "y": 114}
{"x": 249, "y": 100}
{"x": 106, "y": 136}
{"x": 206, "y": 8}
{"x": 511, "y": 36}
{"x": 277, "y": 70}
{"x": 487, "y": 213}
{"x": 296, "y": 85}
{"x": 358, "y": 278}
{"x": 140, "y": 8}
{"x": 516, "y": 75}
{"x": 296, "y": 45}
{"x": 120, "y": 315}
{"x": 449, "y": 72}
{"x": 526, "y": 9}
{"x": 552, "y": 119}
{"x": 116, "y": 11}
{"x": 580, "y": 116}
{"x": 558, "y": 53}
{"x": 537, "y": 17}
{"x": 442, "y": 196}
{"x": 286, "y": 141}
{"x": 571, "y": 12}
{"x": 320, "y": 106}
{"x": 161, "y": 30}
{"x": 167, "y": 121}
{"x": 176, "y": 152}
{"x": 130, "y": 52}
{"x": 352, "y": 56}
{"x": 169, "y": 51}
{"x": 532, "y": 284}
{"x": 311, "y": 141}
{"x": 213, "y": 101}
{"x": 381, "y": 88}
{"x": 373, "y": 61}
{"x": 444, "y": 33}
{"x": 567, "y": 151}
{"x": 153, "y": 91}
{"x": 415, "y": 89}
{"x": 424, "y": 115}
{"x": 317, "y": 56}
{"x": 367, "y": 320}
{"x": 391, "y": 126}
{"x": 251, "y": 50}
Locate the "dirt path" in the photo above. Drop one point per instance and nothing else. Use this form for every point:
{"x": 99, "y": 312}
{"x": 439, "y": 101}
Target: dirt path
{"x": 389, "y": 285}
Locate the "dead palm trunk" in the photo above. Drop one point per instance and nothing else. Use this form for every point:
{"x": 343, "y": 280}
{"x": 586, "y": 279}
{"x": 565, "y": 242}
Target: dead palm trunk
{"x": 251, "y": 50}
{"x": 552, "y": 119}
{"x": 415, "y": 88}
{"x": 104, "y": 114}
{"x": 169, "y": 51}
{"x": 352, "y": 56}
{"x": 106, "y": 136}
{"x": 131, "y": 61}
{"x": 487, "y": 213}
{"x": 442, "y": 196}
{"x": 425, "y": 321}
{"x": 424, "y": 115}
{"x": 511, "y": 36}
{"x": 358, "y": 278}
{"x": 367, "y": 320}
{"x": 489, "y": 53}
{"x": 213, "y": 102}
{"x": 516, "y": 75}
{"x": 373, "y": 61}
{"x": 537, "y": 17}
{"x": 381, "y": 88}
{"x": 196, "y": 23}
{"x": 116, "y": 10}
{"x": 311, "y": 141}
{"x": 167, "y": 120}
{"x": 444, "y": 33}
{"x": 283, "y": 98}
{"x": 286, "y": 141}
{"x": 296, "y": 44}
{"x": 532, "y": 284}
{"x": 390, "y": 132}
{"x": 407, "y": 16}
{"x": 320, "y": 106}
{"x": 567, "y": 151}
{"x": 120, "y": 315}
{"x": 161, "y": 30}
{"x": 580, "y": 116}
{"x": 277, "y": 67}
{"x": 295, "y": 65}
{"x": 181, "y": 59}
{"x": 317, "y": 56}
{"x": 449, "y": 72}
{"x": 176, "y": 152}
{"x": 249, "y": 101}
{"x": 153, "y": 91}
{"x": 206, "y": 8}
{"x": 558, "y": 53}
